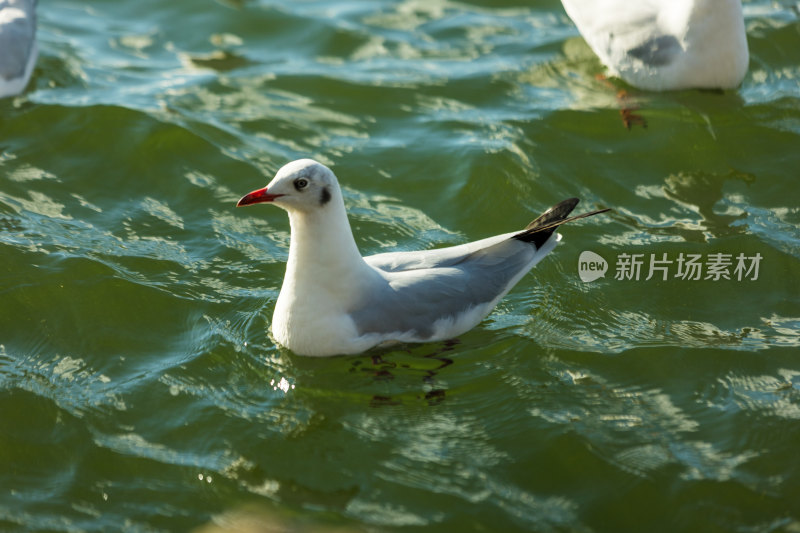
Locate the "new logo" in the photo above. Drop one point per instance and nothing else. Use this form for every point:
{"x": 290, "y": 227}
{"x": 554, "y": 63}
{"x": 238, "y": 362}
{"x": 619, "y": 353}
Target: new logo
{"x": 591, "y": 266}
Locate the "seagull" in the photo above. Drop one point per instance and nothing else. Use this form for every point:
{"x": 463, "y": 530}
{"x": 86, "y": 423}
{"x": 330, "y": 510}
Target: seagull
{"x": 662, "y": 45}
{"x": 334, "y": 301}
{"x": 18, "y": 50}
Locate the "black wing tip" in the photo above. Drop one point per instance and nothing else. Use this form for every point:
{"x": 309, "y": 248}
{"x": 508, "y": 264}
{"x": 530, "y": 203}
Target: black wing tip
{"x": 540, "y": 229}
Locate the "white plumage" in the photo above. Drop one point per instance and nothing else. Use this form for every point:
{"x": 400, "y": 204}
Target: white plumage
{"x": 663, "y": 45}
{"x": 18, "y": 50}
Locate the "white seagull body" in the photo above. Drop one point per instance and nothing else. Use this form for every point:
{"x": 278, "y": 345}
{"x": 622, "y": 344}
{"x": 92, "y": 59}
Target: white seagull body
{"x": 334, "y": 301}
{"x": 18, "y": 48}
{"x": 661, "y": 45}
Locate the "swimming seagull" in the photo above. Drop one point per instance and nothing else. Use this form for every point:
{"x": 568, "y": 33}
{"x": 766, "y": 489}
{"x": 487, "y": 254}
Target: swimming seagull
{"x": 662, "y": 45}
{"x": 18, "y": 48}
{"x": 333, "y": 301}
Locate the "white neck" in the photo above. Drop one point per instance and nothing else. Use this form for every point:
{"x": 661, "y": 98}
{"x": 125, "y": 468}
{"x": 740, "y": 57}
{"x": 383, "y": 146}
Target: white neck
{"x": 323, "y": 256}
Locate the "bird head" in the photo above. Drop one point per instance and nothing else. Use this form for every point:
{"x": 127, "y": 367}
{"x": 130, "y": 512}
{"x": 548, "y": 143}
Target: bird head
{"x": 302, "y": 185}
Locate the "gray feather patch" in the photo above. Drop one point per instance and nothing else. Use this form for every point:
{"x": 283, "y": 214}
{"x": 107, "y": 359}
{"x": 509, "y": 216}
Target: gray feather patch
{"x": 658, "y": 51}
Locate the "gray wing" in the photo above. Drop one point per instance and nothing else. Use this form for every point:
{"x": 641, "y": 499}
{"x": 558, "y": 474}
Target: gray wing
{"x": 457, "y": 286}
{"x": 536, "y": 233}
{"x": 412, "y": 301}
{"x": 424, "y": 259}
{"x": 17, "y": 37}
{"x": 657, "y": 52}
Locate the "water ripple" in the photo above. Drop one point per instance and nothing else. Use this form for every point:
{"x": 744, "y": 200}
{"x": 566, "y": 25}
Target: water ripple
{"x": 137, "y": 299}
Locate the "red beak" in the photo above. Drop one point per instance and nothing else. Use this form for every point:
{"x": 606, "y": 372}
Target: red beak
{"x": 256, "y": 197}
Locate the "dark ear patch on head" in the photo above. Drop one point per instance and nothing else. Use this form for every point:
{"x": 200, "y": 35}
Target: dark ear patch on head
{"x": 325, "y": 196}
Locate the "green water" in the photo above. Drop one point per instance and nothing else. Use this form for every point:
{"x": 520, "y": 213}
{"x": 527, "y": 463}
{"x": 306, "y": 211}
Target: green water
{"x": 140, "y": 390}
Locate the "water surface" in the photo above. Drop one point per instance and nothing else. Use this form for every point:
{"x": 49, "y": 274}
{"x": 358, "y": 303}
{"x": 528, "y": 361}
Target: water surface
{"x": 140, "y": 390}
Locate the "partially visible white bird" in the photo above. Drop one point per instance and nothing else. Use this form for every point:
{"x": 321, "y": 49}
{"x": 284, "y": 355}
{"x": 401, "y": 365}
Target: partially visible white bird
{"x": 18, "y": 50}
{"x": 662, "y": 45}
{"x": 333, "y": 301}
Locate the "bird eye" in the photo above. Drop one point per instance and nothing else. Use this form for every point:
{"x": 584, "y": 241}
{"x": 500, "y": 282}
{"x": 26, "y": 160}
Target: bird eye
{"x": 300, "y": 183}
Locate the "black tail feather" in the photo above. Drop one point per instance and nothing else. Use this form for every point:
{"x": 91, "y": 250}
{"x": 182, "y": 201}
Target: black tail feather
{"x": 538, "y": 231}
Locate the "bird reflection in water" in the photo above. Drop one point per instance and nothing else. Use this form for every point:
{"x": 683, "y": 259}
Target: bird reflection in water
{"x": 383, "y": 369}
